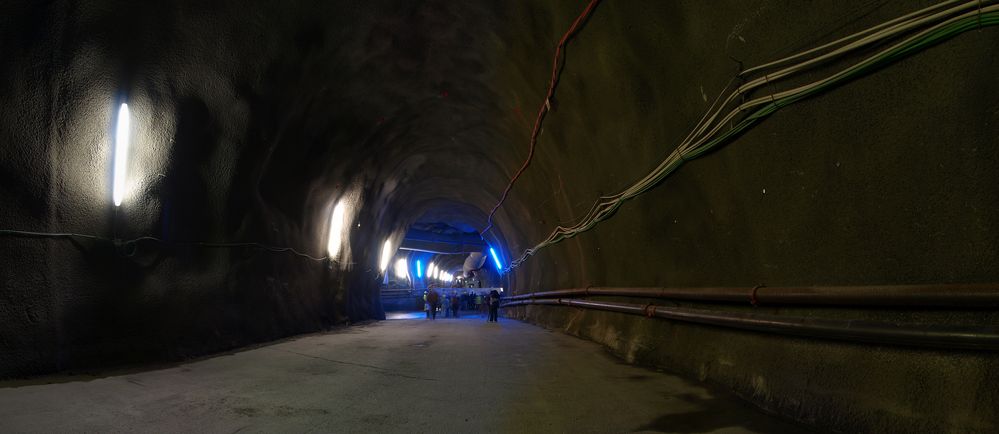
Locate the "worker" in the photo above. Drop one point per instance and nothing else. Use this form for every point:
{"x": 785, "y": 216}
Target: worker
{"x": 455, "y": 303}
{"x": 434, "y": 300}
{"x": 494, "y": 302}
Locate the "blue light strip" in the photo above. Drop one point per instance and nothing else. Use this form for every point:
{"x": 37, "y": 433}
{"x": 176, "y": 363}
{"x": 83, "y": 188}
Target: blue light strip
{"x": 419, "y": 272}
{"x": 496, "y": 259}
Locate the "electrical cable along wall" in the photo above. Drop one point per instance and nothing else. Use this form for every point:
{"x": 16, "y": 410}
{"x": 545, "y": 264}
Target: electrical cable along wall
{"x": 130, "y": 245}
{"x": 906, "y": 35}
{"x": 169, "y": 177}
{"x": 875, "y": 181}
{"x": 263, "y": 134}
{"x": 546, "y": 105}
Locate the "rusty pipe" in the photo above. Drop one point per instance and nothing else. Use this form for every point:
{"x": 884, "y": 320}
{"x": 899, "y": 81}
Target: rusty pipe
{"x": 930, "y": 336}
{"x": 943, "y": 295}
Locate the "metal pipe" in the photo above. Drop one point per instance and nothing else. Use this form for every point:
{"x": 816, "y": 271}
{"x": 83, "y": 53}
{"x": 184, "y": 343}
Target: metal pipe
{"x": 947, "y": 295}
{"x": 931, "y": 336}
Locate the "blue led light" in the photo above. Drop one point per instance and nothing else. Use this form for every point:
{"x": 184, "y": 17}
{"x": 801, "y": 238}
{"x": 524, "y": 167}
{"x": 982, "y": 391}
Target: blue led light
{"x": 496, "y": 259}
{"x": 419, "y": 272}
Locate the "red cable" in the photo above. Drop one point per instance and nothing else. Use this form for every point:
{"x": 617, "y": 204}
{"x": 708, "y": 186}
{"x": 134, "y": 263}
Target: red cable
{"x": 545, "y": 107}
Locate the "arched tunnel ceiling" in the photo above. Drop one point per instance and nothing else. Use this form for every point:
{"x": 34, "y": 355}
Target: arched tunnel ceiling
{"x": 273, "y": 111}
{"x": 253, "y": 118}
{"x": 259, "y": 115}
{"x": 444, "y": 225}
{"x": 279, "y": 109}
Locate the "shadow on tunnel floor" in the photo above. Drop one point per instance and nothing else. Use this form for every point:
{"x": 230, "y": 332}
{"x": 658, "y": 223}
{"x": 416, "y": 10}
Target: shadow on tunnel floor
{"x": 99, "y": 372}
{"x": 717, "y": 414}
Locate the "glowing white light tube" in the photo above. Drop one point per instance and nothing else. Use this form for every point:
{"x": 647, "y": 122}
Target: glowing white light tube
{"x": 401, "y": 268}
{"x": 386, "y": 255}
{"x": 336, "y": 230}
{"x": 121, "y": 138}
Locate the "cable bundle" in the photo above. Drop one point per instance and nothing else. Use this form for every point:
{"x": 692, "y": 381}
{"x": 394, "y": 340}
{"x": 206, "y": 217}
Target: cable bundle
{"x": 918, "y": 30}
{"x": 557, "y": 64}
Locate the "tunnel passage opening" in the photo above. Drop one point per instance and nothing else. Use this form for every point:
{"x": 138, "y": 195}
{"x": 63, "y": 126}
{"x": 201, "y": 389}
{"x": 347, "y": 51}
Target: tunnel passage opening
{"x": 443, "y": 253}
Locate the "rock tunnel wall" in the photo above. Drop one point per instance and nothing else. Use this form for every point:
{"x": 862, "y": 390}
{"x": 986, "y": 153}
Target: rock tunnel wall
{"x": 888, "y": 179}
{"x": 254, "y": 118}
{"x": 250, "y": 121}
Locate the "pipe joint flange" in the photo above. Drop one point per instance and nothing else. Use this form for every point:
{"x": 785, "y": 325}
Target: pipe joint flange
{"x": 752, "y": 297}
{"x": 650, "y": 310}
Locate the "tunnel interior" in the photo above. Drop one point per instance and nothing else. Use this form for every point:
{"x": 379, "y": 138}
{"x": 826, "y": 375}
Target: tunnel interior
{"x": 279, "y": 160}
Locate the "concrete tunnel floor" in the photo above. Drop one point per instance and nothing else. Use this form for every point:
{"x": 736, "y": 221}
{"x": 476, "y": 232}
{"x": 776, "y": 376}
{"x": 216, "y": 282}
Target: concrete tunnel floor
{"x": 403, "y": 375}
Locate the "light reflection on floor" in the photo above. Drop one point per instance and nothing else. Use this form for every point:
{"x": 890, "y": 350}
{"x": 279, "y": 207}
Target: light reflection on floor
{"x": 465, "y": 314}
{"x": 405, "y": 315}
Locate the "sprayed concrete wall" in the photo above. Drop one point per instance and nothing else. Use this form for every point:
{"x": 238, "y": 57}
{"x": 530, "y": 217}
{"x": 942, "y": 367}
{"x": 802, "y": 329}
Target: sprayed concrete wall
{"x": 887, "y": 180}
{"x": 254, "y": 118}
{"x": 250, "y": 122}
